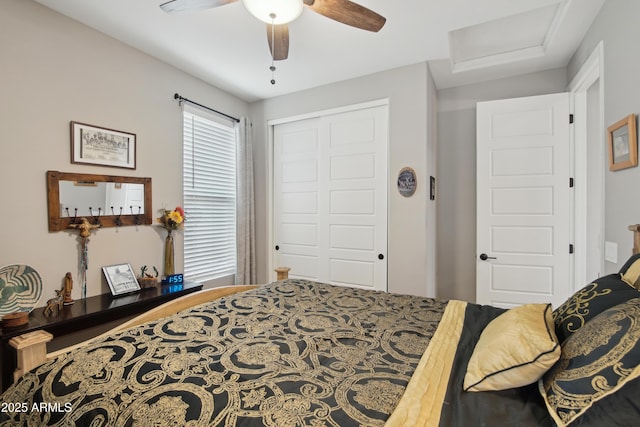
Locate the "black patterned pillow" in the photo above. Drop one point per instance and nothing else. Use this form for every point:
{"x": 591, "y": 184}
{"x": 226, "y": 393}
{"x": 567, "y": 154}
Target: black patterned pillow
{"x": 596, "y": 362}
{"x": 590, "y": 301}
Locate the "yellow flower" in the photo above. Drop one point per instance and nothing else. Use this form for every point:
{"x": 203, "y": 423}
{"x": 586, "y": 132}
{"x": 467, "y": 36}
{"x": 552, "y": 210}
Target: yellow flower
{"x": 175, "y": 217}
{"x": 172, "y": 220}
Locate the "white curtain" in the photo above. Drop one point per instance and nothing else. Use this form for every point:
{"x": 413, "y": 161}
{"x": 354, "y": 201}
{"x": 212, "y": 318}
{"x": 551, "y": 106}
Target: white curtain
{"x": 245, "y": 234}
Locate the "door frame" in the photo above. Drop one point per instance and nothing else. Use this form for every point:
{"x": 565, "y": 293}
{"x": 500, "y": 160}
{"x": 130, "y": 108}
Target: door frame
{"x": 271, "y": 275}
{"x": 590, "y": 72}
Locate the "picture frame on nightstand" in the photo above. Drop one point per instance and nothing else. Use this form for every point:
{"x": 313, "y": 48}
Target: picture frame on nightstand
{"x": 121, "y": 279}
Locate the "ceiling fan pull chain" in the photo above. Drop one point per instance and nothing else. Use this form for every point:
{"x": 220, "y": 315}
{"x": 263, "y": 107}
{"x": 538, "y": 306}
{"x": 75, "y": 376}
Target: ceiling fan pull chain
{"x": 273, "y": 46}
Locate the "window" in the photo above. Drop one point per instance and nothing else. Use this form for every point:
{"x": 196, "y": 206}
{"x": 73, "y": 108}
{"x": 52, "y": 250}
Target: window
{"x": 209, "y": 184}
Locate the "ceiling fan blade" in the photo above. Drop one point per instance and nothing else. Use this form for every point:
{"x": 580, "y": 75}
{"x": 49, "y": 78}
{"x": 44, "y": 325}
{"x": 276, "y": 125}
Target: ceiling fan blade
{"x": 349, "y": 13}
{"x": 280, "y": 38}
{"x": 174, "y": 6}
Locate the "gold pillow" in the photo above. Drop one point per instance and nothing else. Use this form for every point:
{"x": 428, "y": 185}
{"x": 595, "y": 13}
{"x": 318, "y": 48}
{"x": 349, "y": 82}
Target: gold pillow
{"x": 514, "y": 349}
{"x": 632, "y": 275}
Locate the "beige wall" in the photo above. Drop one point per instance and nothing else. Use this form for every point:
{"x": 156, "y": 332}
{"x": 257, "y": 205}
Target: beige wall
{"x": 407, "y": 90}
{"x": 61, "y": 71}
{"x": 616, "y": 26}
{"x": 55, "y": 70}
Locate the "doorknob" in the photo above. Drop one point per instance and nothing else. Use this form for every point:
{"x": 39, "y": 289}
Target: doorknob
{"x": 485, "y": 257}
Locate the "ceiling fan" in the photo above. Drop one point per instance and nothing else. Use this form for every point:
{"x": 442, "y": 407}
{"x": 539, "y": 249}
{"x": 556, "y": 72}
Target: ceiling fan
{"x": 278, "y": 13}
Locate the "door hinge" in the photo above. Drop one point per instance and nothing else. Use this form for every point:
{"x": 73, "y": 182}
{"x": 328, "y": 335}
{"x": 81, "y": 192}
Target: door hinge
{"x": 570, "y": 118}
{"x": 570, "y": 248}
{"x": 570, "y": 182}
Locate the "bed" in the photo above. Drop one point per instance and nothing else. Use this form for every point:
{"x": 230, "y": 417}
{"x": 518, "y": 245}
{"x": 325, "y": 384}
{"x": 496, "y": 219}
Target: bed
{"x": 302, "y": 353}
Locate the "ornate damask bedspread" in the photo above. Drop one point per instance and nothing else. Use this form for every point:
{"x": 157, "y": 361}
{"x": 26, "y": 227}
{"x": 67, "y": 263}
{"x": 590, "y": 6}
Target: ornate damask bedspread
{"x": 292, "y": 353}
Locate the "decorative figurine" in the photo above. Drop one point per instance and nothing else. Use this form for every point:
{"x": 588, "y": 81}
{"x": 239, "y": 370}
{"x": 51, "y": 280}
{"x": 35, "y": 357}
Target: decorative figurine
{"x": 68, "y": 287}
{"x": 147, "y": 280}
{"x": 54, "y": 303}
{"x": 85, "y": 228}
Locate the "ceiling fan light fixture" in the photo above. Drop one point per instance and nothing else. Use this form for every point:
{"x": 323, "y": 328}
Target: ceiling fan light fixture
{"x": 274, "y": 11}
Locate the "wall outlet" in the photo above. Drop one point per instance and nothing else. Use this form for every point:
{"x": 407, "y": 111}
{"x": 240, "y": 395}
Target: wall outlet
{"x": 611, "y": 252}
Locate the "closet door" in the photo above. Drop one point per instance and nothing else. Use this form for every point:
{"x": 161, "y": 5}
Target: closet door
{"x": 330, "y": 198}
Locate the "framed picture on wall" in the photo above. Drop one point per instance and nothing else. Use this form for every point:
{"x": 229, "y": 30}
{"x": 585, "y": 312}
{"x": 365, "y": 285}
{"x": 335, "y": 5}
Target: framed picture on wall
{"x": 93, "y": 145}
{"x": 622, "y": 143}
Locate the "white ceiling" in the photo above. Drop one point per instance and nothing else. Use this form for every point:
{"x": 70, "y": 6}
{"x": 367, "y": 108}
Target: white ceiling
{"x": 227, "y": 47}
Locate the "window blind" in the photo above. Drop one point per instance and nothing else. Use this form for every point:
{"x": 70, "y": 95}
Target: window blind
{"x": 209, "y": 185}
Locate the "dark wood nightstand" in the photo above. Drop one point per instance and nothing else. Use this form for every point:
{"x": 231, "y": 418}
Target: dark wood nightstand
{"x": 85, "y": 314}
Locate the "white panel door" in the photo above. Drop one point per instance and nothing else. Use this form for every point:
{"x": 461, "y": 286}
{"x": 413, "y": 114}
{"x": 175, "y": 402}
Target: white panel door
{"x": 330, "y": 198}
{"x": 296, "y": 199}
{"x": 523, "y": 201}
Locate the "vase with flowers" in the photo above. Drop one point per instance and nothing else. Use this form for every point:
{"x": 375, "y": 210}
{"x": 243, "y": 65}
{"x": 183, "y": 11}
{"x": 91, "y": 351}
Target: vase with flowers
{"x": 170, "y": 220}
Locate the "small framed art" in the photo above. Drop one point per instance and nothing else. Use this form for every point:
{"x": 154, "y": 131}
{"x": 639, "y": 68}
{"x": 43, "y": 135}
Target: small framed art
{"x": 121, "y": 279}
{"x": 93, "y": 145}
{"x": 622, "y": 143}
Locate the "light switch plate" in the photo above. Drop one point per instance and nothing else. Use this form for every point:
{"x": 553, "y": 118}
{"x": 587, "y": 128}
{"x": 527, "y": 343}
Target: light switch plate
{"x": 611, "y": 251}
